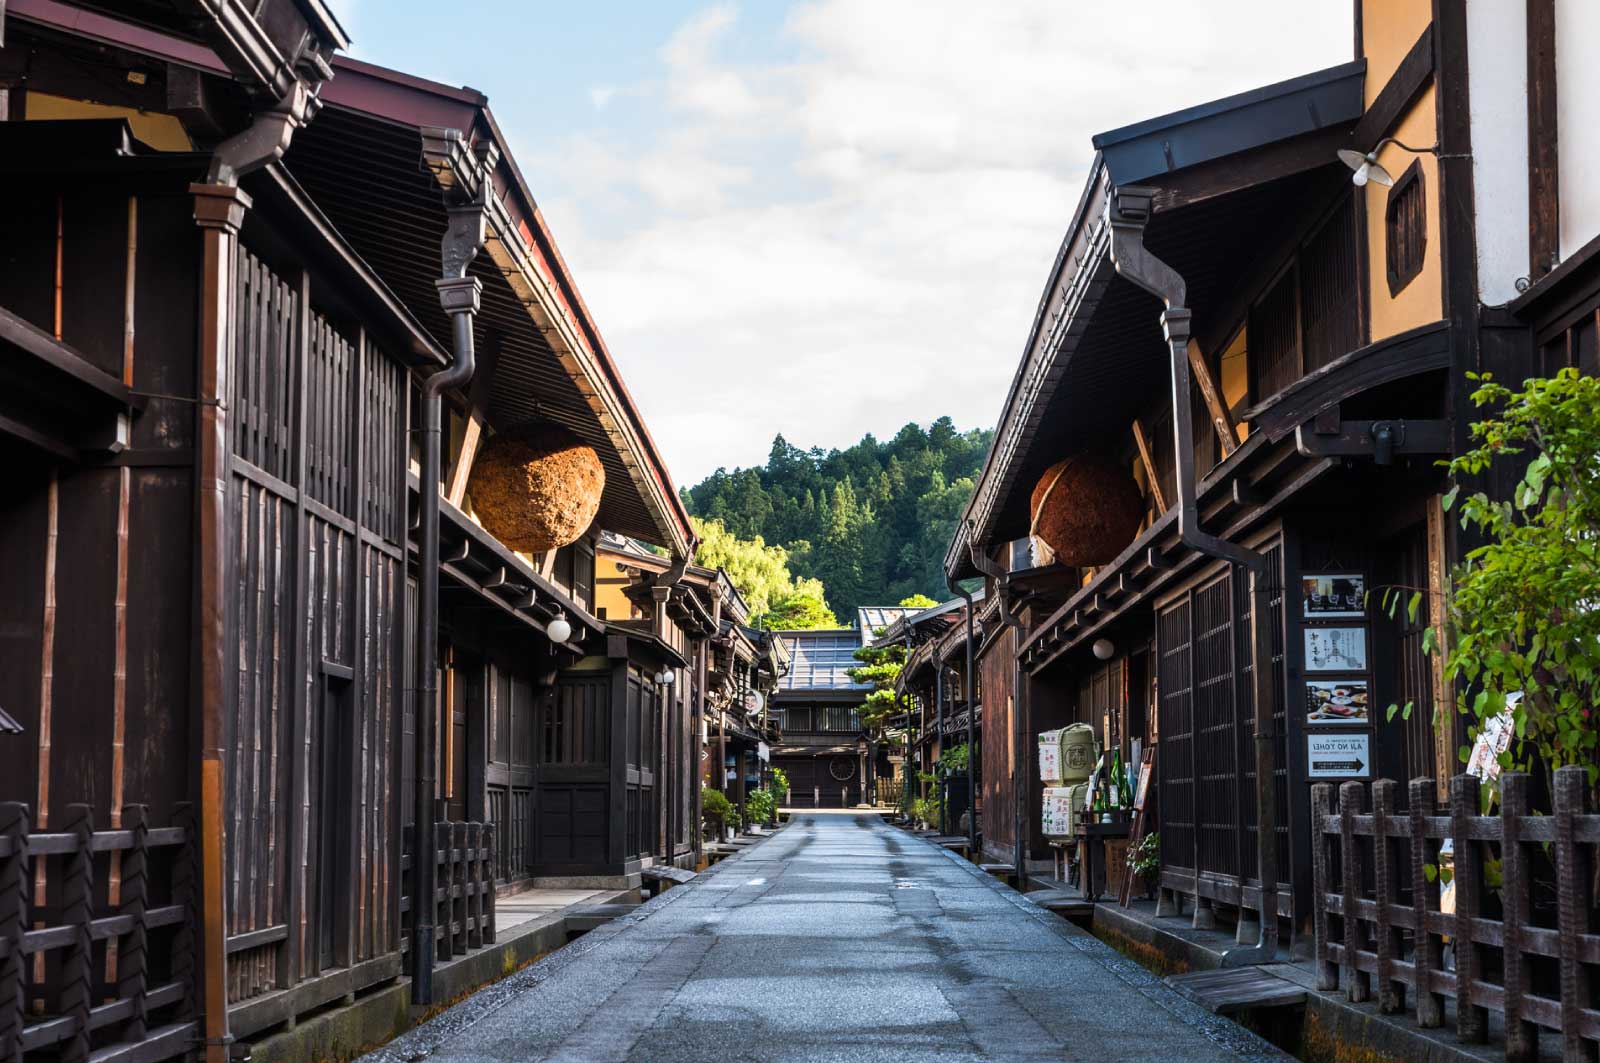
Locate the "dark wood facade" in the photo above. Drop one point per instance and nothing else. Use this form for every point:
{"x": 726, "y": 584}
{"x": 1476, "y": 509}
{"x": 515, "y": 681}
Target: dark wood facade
{"x": 211, "y": 384}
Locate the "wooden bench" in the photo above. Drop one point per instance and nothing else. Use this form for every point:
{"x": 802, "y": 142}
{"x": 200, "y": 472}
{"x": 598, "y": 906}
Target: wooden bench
{"x": 1237, "y": 989}
{"x": 657, "y": 879}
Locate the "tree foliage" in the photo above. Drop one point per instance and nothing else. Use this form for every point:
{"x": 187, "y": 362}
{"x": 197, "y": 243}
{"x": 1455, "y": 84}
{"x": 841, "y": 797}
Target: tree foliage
{"x": 1524, "y": 610}
{"x": 881, "y": 666}
{"x": 761, "y": 574}
{"x": 871, "y": 522}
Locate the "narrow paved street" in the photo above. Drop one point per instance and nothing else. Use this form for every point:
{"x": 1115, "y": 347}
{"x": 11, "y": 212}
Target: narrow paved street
{"x": 838, "y": 939}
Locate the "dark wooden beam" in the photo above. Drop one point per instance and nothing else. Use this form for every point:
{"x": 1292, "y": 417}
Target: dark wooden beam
{"x": 1147, "y": 459}
{"x": 1406, "y": 354}
{"x": 1544, "y": 200}
{"x": 1234, "y": 173}
{"x": 1221, "y": 417}
{"x": 1397, "y": 94}
{"x": 1359, "y": 439}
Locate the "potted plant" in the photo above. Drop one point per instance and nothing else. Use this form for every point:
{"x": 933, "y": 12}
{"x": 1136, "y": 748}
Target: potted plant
{"x": 1145, "y": 861}
{"x": 717, "y": 811}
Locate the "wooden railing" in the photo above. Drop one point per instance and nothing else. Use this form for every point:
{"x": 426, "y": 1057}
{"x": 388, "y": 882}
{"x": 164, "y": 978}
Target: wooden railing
{"x": 463, "y": 917}
{"x": 1522, "y": 938}
{"x": 89, "y": 916}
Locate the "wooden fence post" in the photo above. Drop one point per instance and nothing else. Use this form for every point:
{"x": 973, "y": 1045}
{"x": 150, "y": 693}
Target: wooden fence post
{"x": 132, "y": 948}
{"x": 183, "y": 895}
{"x": 442, "y": 902}
{"x": 475, "y": 877}
{"x": 1386, "y": 890}
{"x": 1572, "y": 913}
{"x": 77, "y": 913}
{"x": 1321, "y": 809}
{"x": 460, "y": 877}
{"x": 492, "y": 875}
{"x": 1425, "y": 902}
{"x": 1472, "y": 1019}
{"x": 13, "y": 922}
{"x": 1522, "y": 1037}
{"x": 1358, "y": 984}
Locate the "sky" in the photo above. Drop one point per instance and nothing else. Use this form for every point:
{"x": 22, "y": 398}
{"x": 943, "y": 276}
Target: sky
{"x": 830, "y": 217}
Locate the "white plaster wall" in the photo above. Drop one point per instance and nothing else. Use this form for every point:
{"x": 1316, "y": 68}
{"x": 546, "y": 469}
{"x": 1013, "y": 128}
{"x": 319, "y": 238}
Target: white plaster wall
{"x": 1497, "y": 71}
{"x": 1578, "y": 120}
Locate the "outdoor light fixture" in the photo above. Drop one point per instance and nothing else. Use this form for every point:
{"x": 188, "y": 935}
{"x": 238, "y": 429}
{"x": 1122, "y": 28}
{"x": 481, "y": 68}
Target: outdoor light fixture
{"x": 665, "y": 677}
{"x": 559, "y": 629}
{"x": 1367, "y": 168}
{"x": 1103, "y": 649}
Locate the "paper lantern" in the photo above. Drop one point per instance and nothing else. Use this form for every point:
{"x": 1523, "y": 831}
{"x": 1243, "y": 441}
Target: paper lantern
{"x": 1087, "y": 509}
{"x": 536, "y": 488}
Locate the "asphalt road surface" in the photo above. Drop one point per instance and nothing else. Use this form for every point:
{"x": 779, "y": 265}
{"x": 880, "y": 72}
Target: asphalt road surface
{"x": 838, "y": 939}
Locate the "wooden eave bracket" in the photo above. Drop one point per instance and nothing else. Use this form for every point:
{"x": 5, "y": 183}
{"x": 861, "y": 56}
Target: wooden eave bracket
{"x": 1371, "y": 439}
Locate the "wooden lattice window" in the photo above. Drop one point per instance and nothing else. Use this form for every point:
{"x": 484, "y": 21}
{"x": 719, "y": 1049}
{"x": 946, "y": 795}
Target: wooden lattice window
{"x": 1405, "y": 228}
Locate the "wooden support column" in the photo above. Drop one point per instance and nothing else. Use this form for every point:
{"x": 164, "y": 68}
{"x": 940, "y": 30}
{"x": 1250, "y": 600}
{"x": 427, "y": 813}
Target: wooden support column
{"x": 219, "y": 211}
{"x": 478, "y": 404}
{"x": 1444, "y": 690}
{"x": 1221, "y": 419}
{"x": 1148, "y": 461}
{"x": 1544, "y": 180}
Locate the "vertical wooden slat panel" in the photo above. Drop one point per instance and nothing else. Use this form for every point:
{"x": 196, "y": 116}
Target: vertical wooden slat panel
{"x": 1522, "y": 1037}
{"x": 1386, "y": 880}
{"x": 132, "y": 952}
{"x": 77, "y": 912}
{"x": 13, "y": 922}
{"x": 1357, "y": 983}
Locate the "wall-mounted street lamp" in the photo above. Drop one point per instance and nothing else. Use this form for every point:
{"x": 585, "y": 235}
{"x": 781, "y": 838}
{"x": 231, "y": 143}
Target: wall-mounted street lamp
{"x": 665, "y": 677}
{"x": 1103, "y": 649}
{"x": 1367, "y": 168}
{"x": 559, "y": 629}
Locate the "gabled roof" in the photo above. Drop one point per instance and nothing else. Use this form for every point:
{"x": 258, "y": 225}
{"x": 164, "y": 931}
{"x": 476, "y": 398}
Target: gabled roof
{"x": 819, "y": 659}
{"x": 1223, "y": 173}
{"x": 870, "y": 618}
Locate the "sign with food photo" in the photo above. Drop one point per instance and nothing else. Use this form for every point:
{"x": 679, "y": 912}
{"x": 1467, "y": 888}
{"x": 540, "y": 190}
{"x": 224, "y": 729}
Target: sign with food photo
{"x": 1344, "y": 701}
{"x": 1327, "y": 597}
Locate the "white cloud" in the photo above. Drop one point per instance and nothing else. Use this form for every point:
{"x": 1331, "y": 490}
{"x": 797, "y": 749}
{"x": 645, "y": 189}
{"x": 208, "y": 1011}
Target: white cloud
{"x": 856, "y": 236}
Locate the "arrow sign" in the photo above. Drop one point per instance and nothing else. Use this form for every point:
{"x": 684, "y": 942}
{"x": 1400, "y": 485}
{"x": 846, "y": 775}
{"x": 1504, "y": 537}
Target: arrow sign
{"x": 1338, "y": 756}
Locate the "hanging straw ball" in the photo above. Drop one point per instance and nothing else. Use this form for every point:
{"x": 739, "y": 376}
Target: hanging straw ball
{"x": 1087, "y": 509}
{"x": 536, "y": 488}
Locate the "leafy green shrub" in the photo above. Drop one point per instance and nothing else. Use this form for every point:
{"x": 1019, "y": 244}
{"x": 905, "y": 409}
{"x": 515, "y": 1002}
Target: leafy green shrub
{"x": 1521, "y": 615}
{"x": 716, "y": 808}
{"x": 1146, "y": 856}
{"x": 953, "y": 761}
{"x": 780, "y": 783}
{"x": 760, "y": 806}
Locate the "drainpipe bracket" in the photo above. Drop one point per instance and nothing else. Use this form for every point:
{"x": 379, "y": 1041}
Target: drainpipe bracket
{"x": 459, "y": 295}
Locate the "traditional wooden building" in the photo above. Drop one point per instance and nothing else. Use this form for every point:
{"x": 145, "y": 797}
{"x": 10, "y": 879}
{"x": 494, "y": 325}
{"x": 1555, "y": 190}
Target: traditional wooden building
{"x": 1219, "y": 540}
{"x": 826, "y": 751}
{"x": 241, "y": 276}
{"x": 932, "y": 683}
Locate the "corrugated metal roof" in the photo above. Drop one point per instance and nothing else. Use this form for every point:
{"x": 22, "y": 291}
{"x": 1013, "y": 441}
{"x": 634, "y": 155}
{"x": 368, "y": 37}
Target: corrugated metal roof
{"x": 818, "y": 660}
{"x": 869, "y": 618}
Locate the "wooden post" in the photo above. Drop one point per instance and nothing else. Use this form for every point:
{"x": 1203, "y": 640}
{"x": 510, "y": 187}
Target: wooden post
{"x": 1572, "y": 914}
{"x": 1425, "y": 902}
{"x": 475, "y": 878}
{"x": 1386, "y": 882}
{"x": 492, "y": 875}
{"x": 1358, "y": 984}
{"x": 461, "y": 877}
{"x": 183, "y": 895}
{"x": 77, "y": 914}
{"x": 1522, "y": 1037}
{"x": 1321, "y": 809}
{"x": 132, "y": 957}
{"x": 13, "y": 922}
{"x": 1221, "y": 418}
{"x": 1472, "y": 1020}
{"x": 443, "y": 894}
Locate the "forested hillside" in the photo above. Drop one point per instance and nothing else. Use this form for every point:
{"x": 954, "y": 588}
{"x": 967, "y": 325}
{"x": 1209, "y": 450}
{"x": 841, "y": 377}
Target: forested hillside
{"x": 871, "y": 522}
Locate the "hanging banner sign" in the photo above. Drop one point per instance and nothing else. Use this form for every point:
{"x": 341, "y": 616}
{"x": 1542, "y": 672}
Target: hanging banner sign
{"x": 1338, "y": 756}
{"x": 763, "y": 751}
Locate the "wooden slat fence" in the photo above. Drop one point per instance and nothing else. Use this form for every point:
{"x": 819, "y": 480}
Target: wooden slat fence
{"x": 79, "y": 975}
{"x": 1522, "y": 942}
{"x": 464, "y": 898}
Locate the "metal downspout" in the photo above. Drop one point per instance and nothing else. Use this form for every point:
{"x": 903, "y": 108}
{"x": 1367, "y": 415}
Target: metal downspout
{"x": 972, "y": 712}
{"x": 1127, "y": 212}
{"x": 220, "y": 208}
{"x": 459, "y": 296}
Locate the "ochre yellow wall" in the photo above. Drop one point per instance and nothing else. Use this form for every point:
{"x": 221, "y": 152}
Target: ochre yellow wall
{"x": 1389, "y": 28}
{"x": 161, "y": 131}
{"x": 609, "y": 596}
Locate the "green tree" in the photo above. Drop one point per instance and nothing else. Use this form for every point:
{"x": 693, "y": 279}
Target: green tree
{"x": 1522, "y": 614}
{"x": 803, "y": 608}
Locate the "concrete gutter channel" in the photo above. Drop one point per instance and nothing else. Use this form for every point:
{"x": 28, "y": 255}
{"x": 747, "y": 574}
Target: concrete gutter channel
{"x": 382, "y": 1020}
{"x": 1324, "y": 1028}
